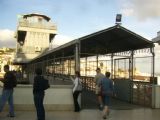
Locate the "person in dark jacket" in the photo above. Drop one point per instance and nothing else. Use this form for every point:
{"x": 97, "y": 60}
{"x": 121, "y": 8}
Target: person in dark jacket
{"x": 38, "y": 93}
{"x": 9, "y": 82}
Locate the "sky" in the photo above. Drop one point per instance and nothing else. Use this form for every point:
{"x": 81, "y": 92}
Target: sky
{"x": 76, "y": 18}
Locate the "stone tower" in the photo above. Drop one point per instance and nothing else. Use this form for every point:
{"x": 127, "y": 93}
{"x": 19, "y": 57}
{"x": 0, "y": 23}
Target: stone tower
{"x": 34, "y": 34}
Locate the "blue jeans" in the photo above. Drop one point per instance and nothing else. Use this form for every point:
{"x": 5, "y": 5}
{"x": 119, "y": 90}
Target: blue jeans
{"x": 7, "y": 95}
{"x": 38, "y": 101}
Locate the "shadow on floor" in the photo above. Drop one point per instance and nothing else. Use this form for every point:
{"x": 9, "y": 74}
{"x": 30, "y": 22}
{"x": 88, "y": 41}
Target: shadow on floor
{"x": 89, "y": 101}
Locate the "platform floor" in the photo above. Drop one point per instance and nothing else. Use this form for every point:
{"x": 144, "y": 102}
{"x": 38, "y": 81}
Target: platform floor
{"x": 133, "y": 114}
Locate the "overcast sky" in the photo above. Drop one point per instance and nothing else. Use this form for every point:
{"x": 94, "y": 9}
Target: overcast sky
{"x": 76, "y": 18}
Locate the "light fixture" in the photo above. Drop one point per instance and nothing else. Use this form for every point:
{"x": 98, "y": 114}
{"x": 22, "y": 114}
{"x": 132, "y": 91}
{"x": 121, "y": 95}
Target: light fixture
{"x": 118, "y": 18}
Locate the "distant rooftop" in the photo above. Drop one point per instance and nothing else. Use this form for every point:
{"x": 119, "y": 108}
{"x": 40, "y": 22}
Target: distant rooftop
{"x": 157, "y": 39}
{"x": 36, "y": 14}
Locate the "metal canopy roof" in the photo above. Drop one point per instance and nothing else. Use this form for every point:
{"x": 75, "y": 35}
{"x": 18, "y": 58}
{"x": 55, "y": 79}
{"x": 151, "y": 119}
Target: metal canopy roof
{"x": 110, "y": 40}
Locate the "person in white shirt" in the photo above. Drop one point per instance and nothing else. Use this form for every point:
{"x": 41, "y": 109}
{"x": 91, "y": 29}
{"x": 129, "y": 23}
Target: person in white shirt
{"x": 77, "y": 89}
{"x": 97, "y": 78}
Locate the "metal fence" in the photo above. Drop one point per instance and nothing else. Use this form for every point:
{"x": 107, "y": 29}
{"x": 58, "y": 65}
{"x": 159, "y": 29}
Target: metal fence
{"x": 141, "y": 91}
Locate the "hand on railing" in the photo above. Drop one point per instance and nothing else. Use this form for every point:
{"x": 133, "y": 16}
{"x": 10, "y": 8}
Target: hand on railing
{"x": 1, "y": 84}
{"x": 71, "y": 78}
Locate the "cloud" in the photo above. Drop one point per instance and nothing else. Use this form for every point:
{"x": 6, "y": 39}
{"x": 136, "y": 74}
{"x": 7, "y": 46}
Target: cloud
{"x": 142, "y": 9}
{"x": 127, "y": 11}
{"x": 60, "y": 40}
{"x": 7, "y": 38}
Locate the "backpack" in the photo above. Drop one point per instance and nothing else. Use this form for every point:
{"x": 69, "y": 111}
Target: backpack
{"x": 79, "y": 87}
{"x": 15, "y": 81}
{"x": 13, "y": 78}
{"x": 46, "y": 84}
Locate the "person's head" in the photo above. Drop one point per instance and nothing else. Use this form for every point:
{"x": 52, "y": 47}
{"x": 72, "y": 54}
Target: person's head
{"x": 77, "y": 73}
{"x": 107, "y": 74}
{"x": 6, "y": 68}
{"x": 98, "y": 70}
{"x": 38, "y": 71}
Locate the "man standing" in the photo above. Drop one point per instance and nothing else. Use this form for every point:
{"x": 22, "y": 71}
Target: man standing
{"x": 9, "y": 82}
{"x": 39, "y": 88}
{"x": 97, "y": 79}
{"x": 106, "y": 86}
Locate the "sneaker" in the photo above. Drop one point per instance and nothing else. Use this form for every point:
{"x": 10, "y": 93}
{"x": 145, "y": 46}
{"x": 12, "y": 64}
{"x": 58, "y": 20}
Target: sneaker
{"x": 10, "y": 115}
{"x": 104, "y": 117}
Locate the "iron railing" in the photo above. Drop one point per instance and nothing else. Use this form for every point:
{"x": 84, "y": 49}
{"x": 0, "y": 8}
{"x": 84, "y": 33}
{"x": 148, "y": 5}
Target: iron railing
{"x": 142, "y": 93}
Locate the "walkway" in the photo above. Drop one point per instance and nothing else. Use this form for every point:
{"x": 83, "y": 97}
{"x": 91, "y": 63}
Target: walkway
{"x": 89, "y": 101}
{"x": 134, "y": 114}
{"x": 119, "y": 111}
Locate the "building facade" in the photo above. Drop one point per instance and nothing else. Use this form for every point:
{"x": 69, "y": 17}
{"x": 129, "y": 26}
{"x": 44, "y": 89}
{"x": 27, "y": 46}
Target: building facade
{"x": 33, "y": 36}
{"x": 6, "y": 57}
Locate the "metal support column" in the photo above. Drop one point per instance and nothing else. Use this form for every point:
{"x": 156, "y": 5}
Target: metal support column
{"x": 152, "y": 77}
{"x": 68, "y": 67}
{"x": 54, "y": 68}
{"x": 77, "y": 57}
{"x": 97, "y": 60}
{"x": 112, "y": 65}
{"x": 153, "y": 62}
{"x": 70, "y": 72}
{"x": 131, "y": 67}
{"x": 86, "y": 66}
{"x": 62, "y": 61}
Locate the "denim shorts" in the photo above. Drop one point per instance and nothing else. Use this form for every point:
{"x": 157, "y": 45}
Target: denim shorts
{"x": 106, "y": 100}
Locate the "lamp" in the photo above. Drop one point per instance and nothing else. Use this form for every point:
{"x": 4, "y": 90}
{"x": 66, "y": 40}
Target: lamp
{"x": 118, "y": 18}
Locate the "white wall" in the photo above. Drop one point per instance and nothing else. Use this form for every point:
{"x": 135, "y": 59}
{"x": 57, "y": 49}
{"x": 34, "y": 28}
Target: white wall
{"x": 57, "y": 97}
{"x": 156, "y": 96}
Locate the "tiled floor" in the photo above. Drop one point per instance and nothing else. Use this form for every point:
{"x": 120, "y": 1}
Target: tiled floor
{"x": 133, "y": 114}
